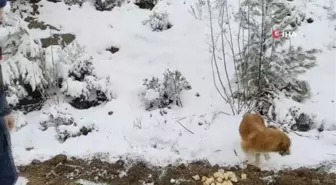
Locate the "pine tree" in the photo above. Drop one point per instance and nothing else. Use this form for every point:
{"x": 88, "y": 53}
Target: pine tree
{"x": 24, "y": 68}
{"x": 264, "y": 67}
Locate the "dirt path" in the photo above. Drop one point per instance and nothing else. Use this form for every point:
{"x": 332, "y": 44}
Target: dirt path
{"x": 61, "y": 170}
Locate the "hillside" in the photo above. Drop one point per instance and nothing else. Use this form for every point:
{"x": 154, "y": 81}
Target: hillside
{"x": 106, "y": 55}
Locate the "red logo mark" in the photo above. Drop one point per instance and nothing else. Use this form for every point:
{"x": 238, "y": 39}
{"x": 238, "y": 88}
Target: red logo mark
{"x": 276, "y": 33}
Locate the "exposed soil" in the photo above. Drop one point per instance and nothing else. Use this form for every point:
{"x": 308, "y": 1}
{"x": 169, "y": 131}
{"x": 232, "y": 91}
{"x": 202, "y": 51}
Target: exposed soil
{"x": 65, "y": 39}
{"x": 33, "y": 23}
{"x": 62, "y": 170}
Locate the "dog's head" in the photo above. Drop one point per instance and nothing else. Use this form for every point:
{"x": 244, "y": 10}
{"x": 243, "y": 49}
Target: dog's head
{"x": 284, "y": 145}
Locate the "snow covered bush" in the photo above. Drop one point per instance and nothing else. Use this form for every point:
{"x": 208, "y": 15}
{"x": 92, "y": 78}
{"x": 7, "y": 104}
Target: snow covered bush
{"x": 65, "y": 132}
{"x": 69, "y": 2}
{"x": 297, "y": 120}
{"x": 279, "y": 74}
{"x": 20, "y": 120}
{"x": 83, "y": 88}
{"x": 264, "y": 68}
{"x": 54, "y": 1}
{"x": 146, "y": 4}
{"x": 64, "y": 123}
{"x": 25, "y": 70}
{"x": 33, "y": 74}
{"x": 327, "y": 125}
{"x": 161, "y": 93}
{"x": 107, "y": 5}
{"x": 158, "y": 21}
{"x": 74, "y": 2}
{"x": 297, "y": 90}
{"x": 56, "y": 117}
{"x": 77, "y": 77}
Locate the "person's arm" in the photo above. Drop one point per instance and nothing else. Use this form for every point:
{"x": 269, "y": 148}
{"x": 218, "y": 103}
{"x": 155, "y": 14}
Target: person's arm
{"x": 5, "y": 113}
{"x": 4, "y": 107}
{"x": 3, "y": 3}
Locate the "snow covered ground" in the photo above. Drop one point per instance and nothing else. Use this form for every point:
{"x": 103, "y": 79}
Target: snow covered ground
{"x": 209, "y": 133}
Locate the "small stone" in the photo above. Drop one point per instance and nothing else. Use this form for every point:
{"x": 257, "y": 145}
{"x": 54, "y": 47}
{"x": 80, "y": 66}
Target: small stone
{"x": 226, "y": 176}
{"x": 221, "y": 171}
{"x": 120, "y": 163}
{"x": 29, "y": 148}
{"x": 217, "y": 174}
{"x": 112, "y": 49}
{"x": 234, "y": 179}
{"x": 110, "y": 113}
{"x": 253, "y": 168}
{"x": 211, "y": 179}
{"x": 310, "y": 20}
{"x": 227, "y": 183}
{"x": 35, "y": 162}
{"x": 243, "y": 176}
{"x": 196, "y": 177}
{"x": 293, "y": 24}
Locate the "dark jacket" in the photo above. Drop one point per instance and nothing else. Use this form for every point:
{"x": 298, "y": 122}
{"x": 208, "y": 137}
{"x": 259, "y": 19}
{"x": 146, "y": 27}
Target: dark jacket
{"x": 8, "y": 172}
{"x": 3, "y": 3}
{"x": 4, "y": 108}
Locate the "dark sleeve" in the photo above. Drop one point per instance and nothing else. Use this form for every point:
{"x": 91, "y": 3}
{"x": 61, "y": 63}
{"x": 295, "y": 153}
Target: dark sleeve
{"x": 4, "y": 107}
{"x": 3, "y": 3}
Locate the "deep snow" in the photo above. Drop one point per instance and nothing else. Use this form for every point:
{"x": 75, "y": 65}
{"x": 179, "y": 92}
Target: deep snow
{"x": 143, "y": 54}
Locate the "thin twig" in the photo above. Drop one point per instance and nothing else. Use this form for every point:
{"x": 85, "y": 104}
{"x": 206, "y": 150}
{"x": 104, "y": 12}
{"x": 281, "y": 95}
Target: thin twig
{"x": 222, "y": 112}
{"x": 221, "y": 23}
{"x": 128, "y": 142}
{"x": 180, "y": 119}
{"x": 261, "y": 54}
{"x": 235, "y": 152}
{"x": 214, "y": 61}
{"x": 185, "y": 127}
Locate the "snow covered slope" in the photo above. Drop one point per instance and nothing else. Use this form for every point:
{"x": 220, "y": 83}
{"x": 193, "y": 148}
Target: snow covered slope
{"x": 201, "y": 128}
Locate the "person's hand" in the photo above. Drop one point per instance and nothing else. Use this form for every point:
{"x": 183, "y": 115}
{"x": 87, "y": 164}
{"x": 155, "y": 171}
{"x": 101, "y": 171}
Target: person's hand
{"x": 1, "y": 15}
{"x": 10, "y": 122}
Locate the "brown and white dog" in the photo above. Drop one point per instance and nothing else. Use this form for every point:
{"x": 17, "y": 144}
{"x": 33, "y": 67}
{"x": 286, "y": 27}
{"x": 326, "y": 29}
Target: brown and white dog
{"x": 257, "y": 138}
